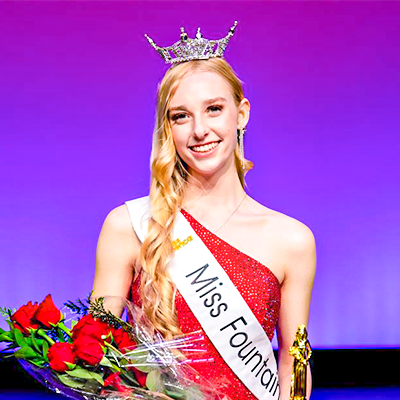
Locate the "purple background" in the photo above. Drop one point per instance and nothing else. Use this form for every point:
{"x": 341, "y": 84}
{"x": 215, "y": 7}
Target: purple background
{"x": 77, "y": 107}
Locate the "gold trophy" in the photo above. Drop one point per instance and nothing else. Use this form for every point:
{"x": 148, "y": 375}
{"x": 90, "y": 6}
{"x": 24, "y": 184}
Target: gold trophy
{"x": 301, "y": 351}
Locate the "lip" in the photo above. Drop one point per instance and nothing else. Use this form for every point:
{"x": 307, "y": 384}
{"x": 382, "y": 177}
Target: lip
{"x": 204, "y": 144}
{"x": 206, "y": 153}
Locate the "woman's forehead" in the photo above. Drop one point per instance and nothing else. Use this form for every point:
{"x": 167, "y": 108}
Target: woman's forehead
{"x": 201, "y": 86}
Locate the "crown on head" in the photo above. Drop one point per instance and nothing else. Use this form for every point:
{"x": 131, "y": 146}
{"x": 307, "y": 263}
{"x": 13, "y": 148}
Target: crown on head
{"x": 198, "y": 48}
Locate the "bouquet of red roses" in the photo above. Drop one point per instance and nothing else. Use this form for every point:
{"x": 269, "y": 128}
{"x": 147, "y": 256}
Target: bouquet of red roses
{"x": 97, "y": 355}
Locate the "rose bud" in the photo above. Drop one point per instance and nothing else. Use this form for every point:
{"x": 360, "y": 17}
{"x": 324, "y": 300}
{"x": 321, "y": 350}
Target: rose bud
{"x": 88, "y": 326}
{"x": 140, "y": 376}
{"x": 115, "y": 381}
{"x": 123, "y": 340}
{"x": 58, "y": 354}
{"x": 23, "y": 318}
{"x": 47, "y": 313}
{"x": 88, "y": 349}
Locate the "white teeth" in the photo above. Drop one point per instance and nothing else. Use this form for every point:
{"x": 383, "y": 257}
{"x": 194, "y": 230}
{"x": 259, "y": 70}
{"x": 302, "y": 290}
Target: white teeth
{"x": 207, "y": 147}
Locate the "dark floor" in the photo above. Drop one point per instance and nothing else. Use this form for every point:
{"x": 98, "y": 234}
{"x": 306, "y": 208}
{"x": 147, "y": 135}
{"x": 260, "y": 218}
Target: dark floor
{"x": 318, "y": 394}
{"x": 355, "y": 394}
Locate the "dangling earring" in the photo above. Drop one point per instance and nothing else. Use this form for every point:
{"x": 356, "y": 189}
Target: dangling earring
{"x": 241, "y": 133}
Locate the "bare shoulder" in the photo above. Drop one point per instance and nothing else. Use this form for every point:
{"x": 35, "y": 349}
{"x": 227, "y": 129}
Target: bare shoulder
{"x": 294, "y": 239}
{"x": 297, "y": 234}
{"x": 116, "y": 255}
{"x": 118, "y": 220}
{"x": 117, "y": 233}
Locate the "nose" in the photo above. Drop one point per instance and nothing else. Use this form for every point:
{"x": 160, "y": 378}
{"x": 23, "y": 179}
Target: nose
{"x": 200, "y": 128}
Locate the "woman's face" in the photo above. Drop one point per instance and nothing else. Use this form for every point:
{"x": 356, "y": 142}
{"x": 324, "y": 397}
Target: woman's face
{"x": 204, "y": 119}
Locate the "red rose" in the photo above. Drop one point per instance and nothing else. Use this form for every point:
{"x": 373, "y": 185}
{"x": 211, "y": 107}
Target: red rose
{"x": 123, "y": 340}
{"x": 88, "y": 326}
{"x": 58, "y": 354}
{"x": 23, "y": 318}
{"x": 88, "y": 349}
{"x": 140, "y": 376}
{"x": 47, "y": 313}
{"x": 115, "y": 381}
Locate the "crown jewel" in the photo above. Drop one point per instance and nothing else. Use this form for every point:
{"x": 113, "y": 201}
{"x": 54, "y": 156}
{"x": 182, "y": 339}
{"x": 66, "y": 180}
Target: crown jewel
{"x": 188, "y": 49}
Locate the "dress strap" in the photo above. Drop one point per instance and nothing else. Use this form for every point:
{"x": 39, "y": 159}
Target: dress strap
{"x": 139, "y": 212}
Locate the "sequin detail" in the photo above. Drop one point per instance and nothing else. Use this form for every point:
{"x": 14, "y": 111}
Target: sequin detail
{"x": 258, "y": 286}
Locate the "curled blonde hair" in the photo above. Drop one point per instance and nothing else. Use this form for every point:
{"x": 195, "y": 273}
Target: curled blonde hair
{"x": 169, "y": 175}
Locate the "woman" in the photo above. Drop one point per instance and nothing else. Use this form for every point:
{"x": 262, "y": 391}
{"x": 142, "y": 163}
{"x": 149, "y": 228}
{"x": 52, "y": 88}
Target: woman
{"x": 198, "y": 175}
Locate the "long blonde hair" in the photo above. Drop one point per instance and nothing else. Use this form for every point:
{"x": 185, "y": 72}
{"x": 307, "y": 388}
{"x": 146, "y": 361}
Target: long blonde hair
{"x": 168, "y": 179}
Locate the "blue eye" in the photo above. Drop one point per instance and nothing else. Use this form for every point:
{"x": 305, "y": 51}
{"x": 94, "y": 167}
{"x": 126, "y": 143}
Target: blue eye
{"x": 215, "y": 108}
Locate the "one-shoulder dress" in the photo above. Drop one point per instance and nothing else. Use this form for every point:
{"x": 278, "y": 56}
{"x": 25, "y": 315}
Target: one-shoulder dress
{"x": 258, "y": 286}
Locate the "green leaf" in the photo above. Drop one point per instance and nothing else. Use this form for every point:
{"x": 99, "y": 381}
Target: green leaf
{"x": 45, "y": 350}
{"x": 70, "y": 366}
{"x": 26, "y": 353}
{"x": 129, "y": 377}
{"x": 34, "y": 342}
{"x": 6, "y": 312}
{"x": 98, "y": 377}
{"x": 194, "y": 393}
{"x": 60, "y": 335}
{"x": 80, "y": 306}
{"x": 11, "y": 325}
{"x": 138, "y": 358}
{"x": 188, "y": 393}
{"x": 71, "y": 382}
{"x": 6, "y": 337}
{"x": 38, "y": 363}
{"x": 105, "y": 362}
{"x": 154, "y": 381}
{"x": 19, "y": 338}
{"x": 176, "y": 395}
{"x": 82, "y": 373}
{"x": 1, "y": 330}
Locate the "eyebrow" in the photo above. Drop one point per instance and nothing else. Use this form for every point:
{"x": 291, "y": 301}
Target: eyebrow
{"x": 205, "y": 103}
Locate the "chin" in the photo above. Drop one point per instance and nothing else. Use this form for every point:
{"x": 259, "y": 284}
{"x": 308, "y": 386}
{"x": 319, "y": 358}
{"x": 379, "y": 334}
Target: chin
{"x": 209, "y": 166}
{"x": 206, "y": 170}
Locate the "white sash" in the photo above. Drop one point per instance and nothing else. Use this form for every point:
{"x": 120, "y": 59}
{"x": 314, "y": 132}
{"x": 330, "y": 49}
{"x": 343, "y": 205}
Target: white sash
{"x": 217, "y": 304}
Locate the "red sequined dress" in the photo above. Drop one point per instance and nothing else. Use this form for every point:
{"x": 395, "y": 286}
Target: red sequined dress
{"x": 258, "y": 286}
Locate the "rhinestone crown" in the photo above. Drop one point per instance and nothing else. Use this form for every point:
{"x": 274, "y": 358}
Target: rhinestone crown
{"x": 188, "y": 49}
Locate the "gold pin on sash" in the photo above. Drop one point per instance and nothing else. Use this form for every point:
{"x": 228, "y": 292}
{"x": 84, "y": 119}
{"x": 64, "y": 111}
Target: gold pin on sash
{"x": 301, "y": 351}
{"x": 177, "y": 244}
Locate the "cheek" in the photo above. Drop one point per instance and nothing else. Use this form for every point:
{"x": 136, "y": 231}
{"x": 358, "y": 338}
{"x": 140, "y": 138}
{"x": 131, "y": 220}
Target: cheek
{"x": 232, "y": 139}
{"x": 226, "y": 124}
{"x": 179, "y": 138}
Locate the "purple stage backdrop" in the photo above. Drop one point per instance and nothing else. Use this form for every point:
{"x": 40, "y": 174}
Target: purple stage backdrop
{"x": 77, "y": 107}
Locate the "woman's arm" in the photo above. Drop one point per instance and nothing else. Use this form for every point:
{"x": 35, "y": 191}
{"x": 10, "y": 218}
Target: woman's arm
{"x": 295, "y": 299}
{"x": 117, "y": 251}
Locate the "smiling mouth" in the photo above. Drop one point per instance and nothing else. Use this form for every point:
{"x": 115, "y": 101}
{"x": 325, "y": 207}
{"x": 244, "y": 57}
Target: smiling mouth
{"x": 205, "y": 147}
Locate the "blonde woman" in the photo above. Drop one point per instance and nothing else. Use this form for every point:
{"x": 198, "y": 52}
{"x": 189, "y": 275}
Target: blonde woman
{"x": 199, "y": 253}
